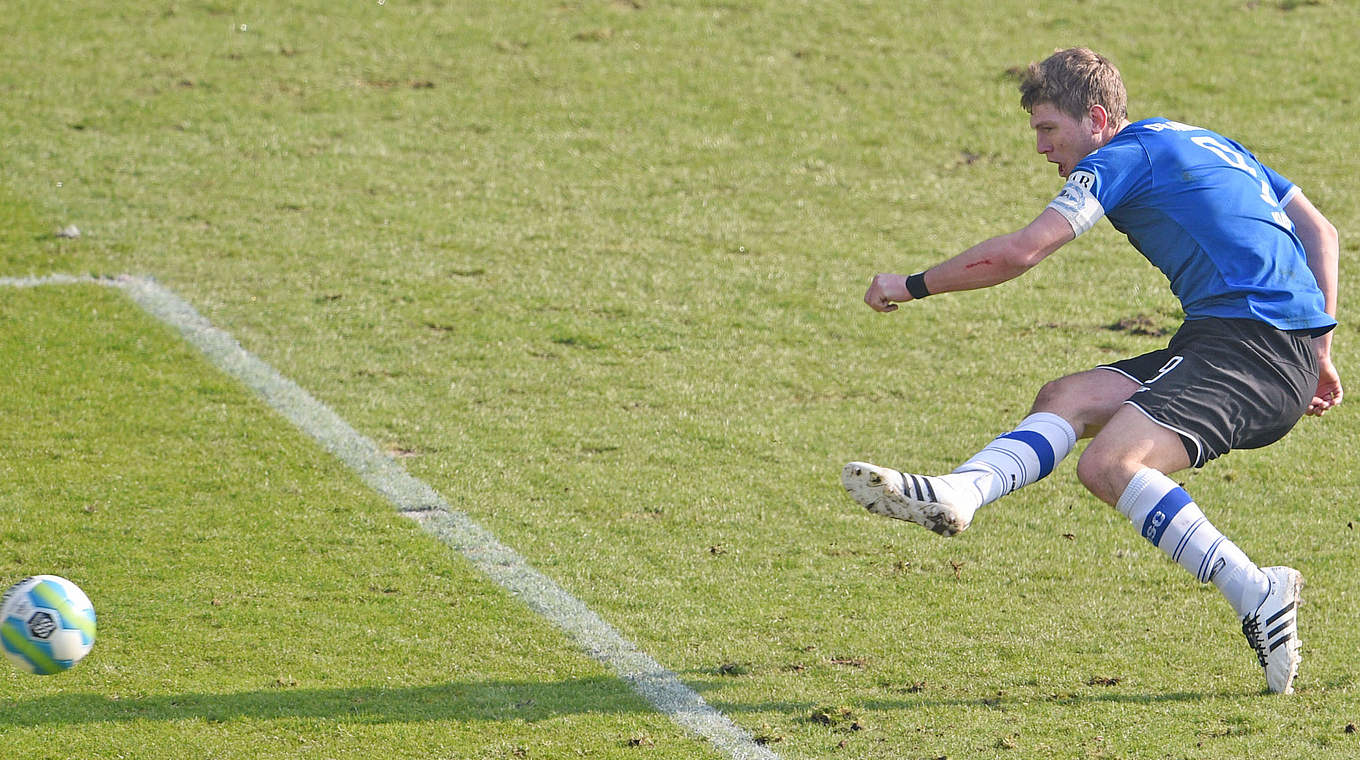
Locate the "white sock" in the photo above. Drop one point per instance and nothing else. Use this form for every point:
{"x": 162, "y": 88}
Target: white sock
{"x": 1170, "y": 519}
{"x": 1020, "y": 457}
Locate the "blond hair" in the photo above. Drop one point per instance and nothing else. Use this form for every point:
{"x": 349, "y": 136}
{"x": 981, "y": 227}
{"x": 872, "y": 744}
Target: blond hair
{"x": 1072, "y": 81}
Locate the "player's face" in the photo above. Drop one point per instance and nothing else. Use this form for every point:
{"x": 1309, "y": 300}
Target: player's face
{"x": 1061, "y": 138}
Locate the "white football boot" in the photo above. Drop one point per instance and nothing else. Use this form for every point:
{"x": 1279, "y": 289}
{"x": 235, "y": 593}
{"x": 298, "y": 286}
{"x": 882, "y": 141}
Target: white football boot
{"x": 941, "y": 504}
{"x": 1272, "y": 630}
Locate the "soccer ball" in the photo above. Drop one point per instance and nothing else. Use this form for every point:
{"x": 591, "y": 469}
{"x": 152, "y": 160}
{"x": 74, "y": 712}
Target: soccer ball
{"x": 46, "y": 624}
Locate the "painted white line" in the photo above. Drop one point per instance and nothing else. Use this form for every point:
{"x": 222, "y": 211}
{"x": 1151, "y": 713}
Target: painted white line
{"x": 51, "y": 279}
{"x": 417, "y": 500}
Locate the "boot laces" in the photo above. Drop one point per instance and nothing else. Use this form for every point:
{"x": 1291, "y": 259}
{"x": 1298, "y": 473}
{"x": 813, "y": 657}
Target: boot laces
{"x": 1251, "y": 628}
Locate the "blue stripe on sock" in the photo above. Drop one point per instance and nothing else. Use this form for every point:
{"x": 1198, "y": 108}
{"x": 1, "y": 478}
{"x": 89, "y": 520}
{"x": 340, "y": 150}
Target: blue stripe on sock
{"x": 1157, "y": 520}
{"x": 1042, "y": 448}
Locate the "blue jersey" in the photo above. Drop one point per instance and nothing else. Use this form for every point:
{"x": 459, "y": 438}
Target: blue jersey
{"x": 1206, "y": 213}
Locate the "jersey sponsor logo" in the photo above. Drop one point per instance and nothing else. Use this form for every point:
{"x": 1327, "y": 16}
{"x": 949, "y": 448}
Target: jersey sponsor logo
{"x": 1087, "y": 180}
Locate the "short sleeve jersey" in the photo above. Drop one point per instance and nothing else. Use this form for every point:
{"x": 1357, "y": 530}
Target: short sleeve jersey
{"x": 1206, "y": 213}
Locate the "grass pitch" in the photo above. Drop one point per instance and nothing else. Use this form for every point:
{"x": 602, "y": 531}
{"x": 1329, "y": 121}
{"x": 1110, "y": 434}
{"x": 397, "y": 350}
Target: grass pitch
{"x": 592, "y": 270}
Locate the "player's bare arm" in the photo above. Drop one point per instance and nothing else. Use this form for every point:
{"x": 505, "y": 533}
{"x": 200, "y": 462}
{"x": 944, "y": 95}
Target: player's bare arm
{"x": 1321, "y": 243}
{"x": 988, "y": 263}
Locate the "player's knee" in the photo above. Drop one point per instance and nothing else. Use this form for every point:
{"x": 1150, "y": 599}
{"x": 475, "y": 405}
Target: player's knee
{"x": 1054, "y": 395}
{"x": 1097, "y": 470}
{"x": 1088, "y": 470}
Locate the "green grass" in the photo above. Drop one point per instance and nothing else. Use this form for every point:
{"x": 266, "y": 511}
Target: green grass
{"x": 254, "y": 599}
{"x": 594, "y": 270}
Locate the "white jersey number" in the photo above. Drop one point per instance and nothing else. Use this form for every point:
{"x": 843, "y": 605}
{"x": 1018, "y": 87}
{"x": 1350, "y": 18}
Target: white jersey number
{"x": 1235, "y": 160}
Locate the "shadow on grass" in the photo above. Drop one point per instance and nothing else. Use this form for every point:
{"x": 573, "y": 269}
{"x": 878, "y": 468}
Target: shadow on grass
{"x": 908, "y": 704}
{"x": 1063, "y": 700}
{"x": 487, "y": 701}
{"x": 914, "y": 699}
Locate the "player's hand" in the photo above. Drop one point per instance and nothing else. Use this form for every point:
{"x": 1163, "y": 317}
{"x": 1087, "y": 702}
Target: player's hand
{"x": 886, "y": 291}
{"x": 1328, "y": 392}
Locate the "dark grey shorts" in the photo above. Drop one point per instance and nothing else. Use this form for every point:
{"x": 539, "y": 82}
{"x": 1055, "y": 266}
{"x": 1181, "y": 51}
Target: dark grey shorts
{"x": 1225, "y": 384}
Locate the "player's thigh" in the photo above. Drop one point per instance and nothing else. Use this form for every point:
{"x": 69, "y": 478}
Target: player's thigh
{"x": 1086, "y": 399}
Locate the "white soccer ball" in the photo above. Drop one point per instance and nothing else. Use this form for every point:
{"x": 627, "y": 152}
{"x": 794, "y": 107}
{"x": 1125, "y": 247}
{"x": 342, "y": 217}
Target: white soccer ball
{"x": 46, "y": 624}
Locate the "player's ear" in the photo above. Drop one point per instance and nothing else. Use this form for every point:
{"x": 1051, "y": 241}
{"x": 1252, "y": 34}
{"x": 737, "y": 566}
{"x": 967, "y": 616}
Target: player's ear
{"x": 1100, "y": 118}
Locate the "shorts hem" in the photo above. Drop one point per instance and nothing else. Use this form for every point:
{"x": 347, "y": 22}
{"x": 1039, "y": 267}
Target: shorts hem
{"x": 1197, "y": 458}
{"x": 1119, "y": 371}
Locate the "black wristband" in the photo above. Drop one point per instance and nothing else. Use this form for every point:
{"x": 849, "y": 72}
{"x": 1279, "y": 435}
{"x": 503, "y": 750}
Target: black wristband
{"x": 916, "y": 285}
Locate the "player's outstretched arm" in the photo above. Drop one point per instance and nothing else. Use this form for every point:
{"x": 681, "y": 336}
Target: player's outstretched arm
{"x": 988, "y": 263}
{"x": 1321, "y": 243}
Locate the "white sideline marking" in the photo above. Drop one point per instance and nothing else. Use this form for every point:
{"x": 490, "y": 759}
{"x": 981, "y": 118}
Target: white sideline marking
{"x": 418, "y": 501}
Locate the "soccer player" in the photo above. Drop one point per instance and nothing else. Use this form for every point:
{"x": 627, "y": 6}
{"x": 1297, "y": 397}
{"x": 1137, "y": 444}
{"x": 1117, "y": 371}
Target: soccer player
{"x": 1254, "y": 265}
